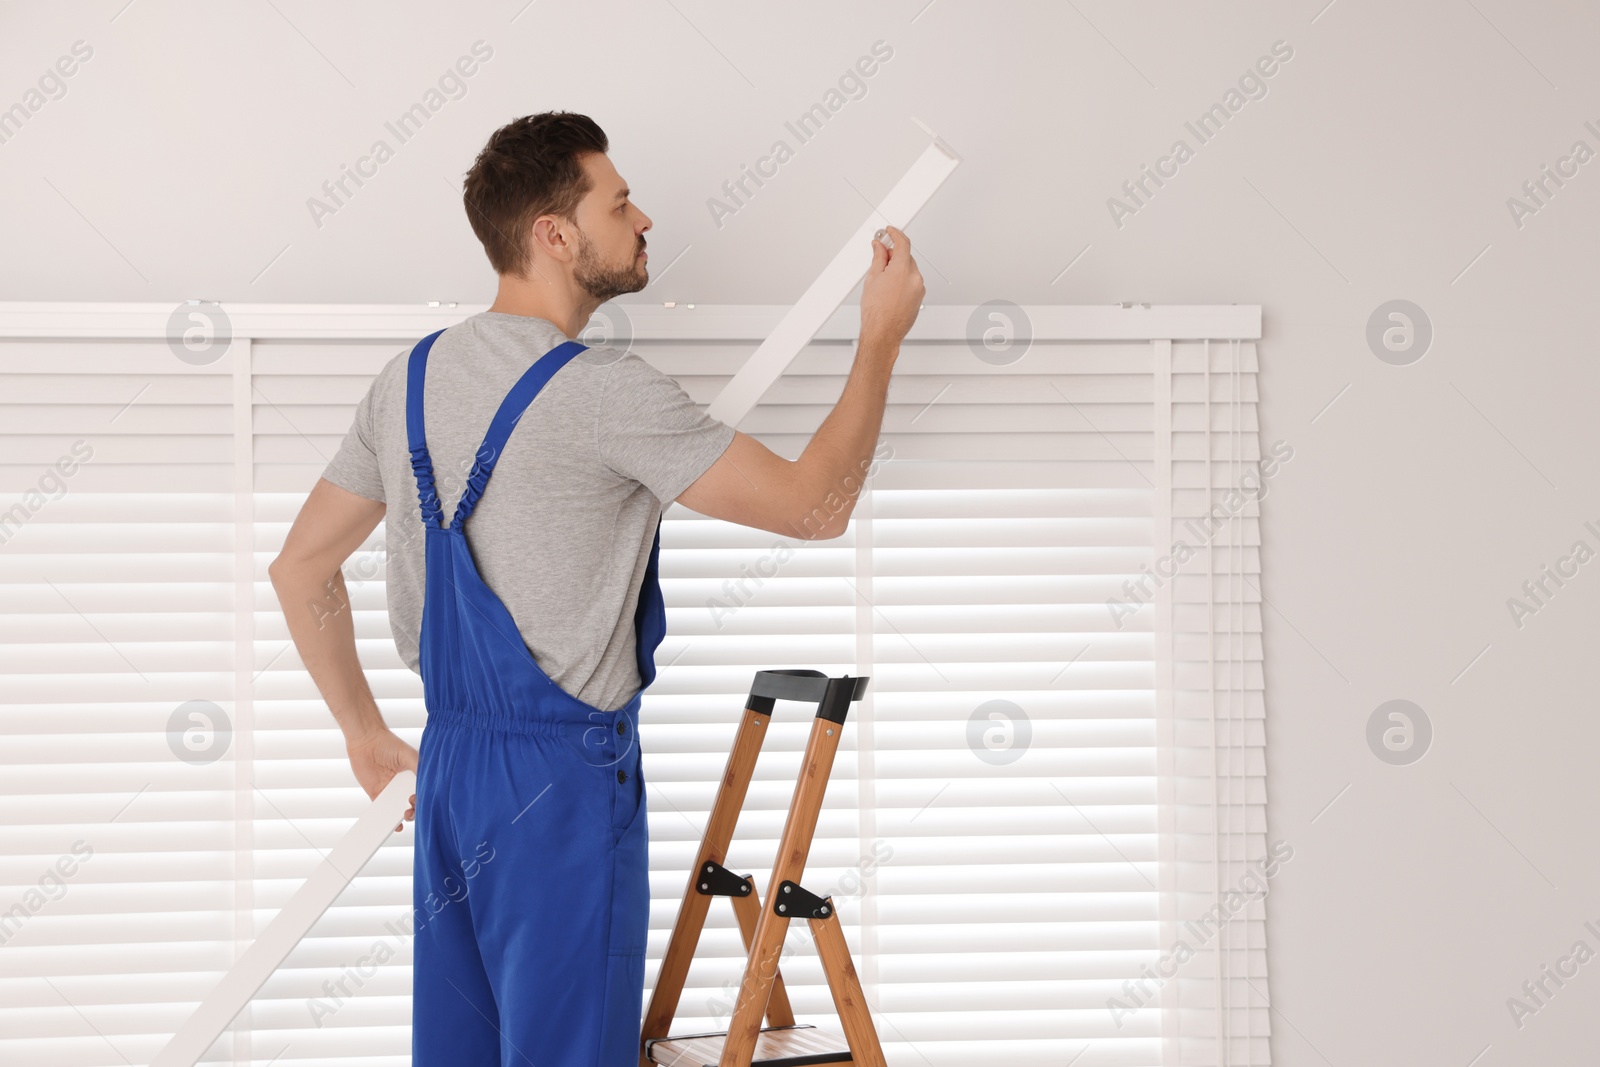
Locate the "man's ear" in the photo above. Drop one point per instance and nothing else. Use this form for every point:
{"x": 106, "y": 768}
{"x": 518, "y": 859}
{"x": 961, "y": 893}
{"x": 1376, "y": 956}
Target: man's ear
{"x": 549, "y": 236}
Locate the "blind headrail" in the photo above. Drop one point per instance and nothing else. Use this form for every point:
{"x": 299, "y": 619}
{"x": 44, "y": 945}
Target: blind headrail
{"x": 644, "y": 321}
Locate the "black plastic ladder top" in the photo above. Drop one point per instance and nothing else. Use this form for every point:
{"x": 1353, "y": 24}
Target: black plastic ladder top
{"x": 832, "y": 696}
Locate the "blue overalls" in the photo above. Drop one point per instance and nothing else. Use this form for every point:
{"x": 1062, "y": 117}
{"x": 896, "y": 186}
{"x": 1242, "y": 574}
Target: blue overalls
{"x": 530, "y": 888}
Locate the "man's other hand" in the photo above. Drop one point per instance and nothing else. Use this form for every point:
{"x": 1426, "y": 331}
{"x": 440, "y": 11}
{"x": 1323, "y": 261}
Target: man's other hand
{"x": 376, "y": 758}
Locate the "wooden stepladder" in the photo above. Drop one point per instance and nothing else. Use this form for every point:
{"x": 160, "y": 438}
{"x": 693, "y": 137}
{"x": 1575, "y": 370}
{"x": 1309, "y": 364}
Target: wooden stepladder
{"x": 746, "y": 1043}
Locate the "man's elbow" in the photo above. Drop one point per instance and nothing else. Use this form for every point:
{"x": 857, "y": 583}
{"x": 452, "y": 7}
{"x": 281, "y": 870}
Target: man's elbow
{"x": 826, "y": 520}
{"x": 284, "y": 570}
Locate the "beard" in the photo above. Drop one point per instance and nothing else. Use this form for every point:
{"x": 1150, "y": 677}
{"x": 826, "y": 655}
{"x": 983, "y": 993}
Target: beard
{"x": 602, "y": 281}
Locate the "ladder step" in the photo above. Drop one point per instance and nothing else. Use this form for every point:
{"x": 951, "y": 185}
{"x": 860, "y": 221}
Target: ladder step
{"x": 776, "y": 1046}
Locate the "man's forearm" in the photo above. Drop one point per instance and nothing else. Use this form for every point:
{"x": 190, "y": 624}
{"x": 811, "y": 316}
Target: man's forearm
{"x": 835, "y": 461}
{"x": 318, "y": 613}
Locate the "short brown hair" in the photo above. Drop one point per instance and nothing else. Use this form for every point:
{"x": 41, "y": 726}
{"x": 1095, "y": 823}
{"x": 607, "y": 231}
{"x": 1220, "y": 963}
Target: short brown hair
{"x": 530, "y": 167}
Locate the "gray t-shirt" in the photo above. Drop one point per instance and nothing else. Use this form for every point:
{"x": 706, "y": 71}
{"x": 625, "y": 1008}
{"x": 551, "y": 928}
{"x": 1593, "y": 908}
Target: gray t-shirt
{"x": 562, "y": 533}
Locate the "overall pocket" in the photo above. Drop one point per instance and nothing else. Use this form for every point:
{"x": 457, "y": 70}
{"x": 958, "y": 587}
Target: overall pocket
{"x": 630, "y": 874}
{"x": 628, "y": 799}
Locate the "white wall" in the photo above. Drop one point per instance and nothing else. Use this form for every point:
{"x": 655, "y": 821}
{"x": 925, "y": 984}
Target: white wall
{"x": 1378, "y": 166}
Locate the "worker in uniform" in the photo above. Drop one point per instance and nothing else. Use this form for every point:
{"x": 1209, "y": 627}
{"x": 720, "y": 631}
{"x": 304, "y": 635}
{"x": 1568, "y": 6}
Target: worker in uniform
{"x": 523, "y": 587}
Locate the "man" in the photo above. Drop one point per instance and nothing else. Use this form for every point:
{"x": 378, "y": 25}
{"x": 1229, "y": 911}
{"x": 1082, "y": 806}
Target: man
{"x": 534, "y": 625}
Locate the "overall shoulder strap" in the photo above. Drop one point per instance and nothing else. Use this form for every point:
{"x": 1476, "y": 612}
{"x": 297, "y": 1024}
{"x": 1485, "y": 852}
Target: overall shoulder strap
{"x": 505, "y": 420}
{"x": 421, "y": 463}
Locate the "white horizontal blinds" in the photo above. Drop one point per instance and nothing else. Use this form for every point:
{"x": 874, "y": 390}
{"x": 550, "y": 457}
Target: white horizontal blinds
{"x": 1013, "y": 734}
{"x": 344, "y": 993}
{"x": 1218, "y": 995}
{"x": 117, "y": 544}
{"x": 741, "y": 600}
{"x": 1006, "y": 902}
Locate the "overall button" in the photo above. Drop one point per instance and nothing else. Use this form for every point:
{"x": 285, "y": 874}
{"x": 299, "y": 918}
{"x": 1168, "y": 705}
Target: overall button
{"x": 622, "y": 776}
{"x": 622, "y": 727}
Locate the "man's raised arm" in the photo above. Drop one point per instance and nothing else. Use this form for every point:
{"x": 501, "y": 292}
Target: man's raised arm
{"x": 812, "y": 497}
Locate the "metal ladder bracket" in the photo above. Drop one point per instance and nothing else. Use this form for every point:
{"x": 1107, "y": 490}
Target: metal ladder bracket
{"x": 717, "y": 881}
{"x": 792, "y": 901}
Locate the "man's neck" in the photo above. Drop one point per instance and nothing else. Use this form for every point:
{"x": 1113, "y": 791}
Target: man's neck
{"x": 568, "y": 307}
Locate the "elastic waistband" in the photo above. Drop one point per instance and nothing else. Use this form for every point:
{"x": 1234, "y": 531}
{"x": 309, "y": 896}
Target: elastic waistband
{"x": 564, "y": 718}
